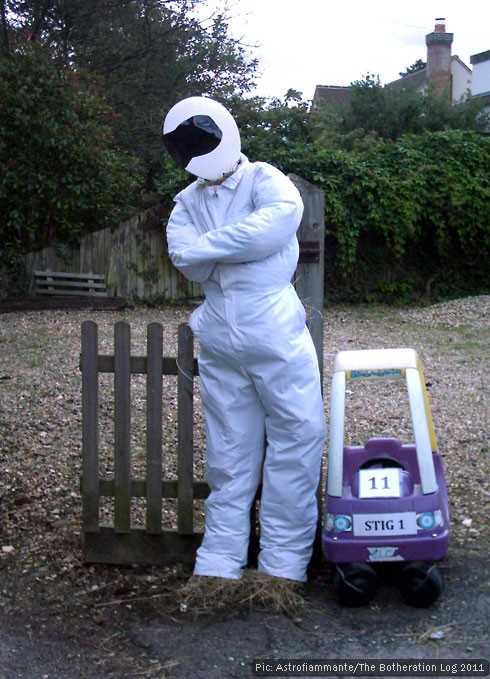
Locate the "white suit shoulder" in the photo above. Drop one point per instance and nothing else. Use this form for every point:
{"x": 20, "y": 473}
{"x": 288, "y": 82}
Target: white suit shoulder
{"x": 187, "y": 192}
{"x": 272, "y": 185}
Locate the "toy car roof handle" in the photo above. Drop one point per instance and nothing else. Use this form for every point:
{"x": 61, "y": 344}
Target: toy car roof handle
{"x": 425, "y": 443}
{"x": 421, "y": 423}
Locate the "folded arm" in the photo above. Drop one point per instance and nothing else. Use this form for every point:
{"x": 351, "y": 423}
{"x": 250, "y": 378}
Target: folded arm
{"x": 182, "y": 234}
{"x": 268, "y": 229}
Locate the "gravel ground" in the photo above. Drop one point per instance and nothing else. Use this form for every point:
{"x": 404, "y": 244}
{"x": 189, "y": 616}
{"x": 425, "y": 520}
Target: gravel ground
{"x": 62, "y": 618}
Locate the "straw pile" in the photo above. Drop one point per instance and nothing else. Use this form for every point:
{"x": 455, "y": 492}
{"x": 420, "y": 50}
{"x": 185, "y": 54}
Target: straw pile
{"x": 255, "y": 590}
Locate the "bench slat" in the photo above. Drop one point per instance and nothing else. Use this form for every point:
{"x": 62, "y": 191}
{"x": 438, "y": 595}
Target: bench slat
{"x": 64, "y": 283}
{"x": 72, "y": 293}
{"x": 62, "y": 274}
{"x": 71, "y": 284}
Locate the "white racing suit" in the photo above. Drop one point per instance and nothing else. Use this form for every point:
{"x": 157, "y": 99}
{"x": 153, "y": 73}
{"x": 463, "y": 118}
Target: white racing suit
{"x": 258, "y": 368}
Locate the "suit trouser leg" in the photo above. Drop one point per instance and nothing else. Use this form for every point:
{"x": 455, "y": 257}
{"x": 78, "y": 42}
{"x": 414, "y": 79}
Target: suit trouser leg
{"x": 295, "y": 430}
{"x": 235, "y": 429}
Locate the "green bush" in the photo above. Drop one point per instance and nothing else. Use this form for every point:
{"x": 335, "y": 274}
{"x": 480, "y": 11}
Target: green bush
{"x": 60, "y": 176}
{"x": 408, "y": 218}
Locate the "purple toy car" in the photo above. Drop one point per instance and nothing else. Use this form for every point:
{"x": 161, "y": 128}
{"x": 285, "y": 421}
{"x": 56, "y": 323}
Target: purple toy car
{"x": 386, "y": 501}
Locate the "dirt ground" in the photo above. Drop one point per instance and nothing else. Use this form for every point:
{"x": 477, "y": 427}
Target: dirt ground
{"x": 61, "y": 618}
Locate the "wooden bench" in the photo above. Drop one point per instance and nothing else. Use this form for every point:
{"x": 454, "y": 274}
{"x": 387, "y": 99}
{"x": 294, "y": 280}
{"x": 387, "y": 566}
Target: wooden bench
{"x": 61, "y": 283}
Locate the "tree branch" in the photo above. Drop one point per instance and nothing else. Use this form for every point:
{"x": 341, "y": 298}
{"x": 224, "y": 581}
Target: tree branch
{"x": 4, "y": 34}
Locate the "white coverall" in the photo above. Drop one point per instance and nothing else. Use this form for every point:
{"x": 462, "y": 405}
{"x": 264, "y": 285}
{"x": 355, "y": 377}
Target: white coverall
{"x": 258, "y": 368}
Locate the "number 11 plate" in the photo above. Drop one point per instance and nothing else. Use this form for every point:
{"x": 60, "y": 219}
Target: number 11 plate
{"x": 379, "y": 483}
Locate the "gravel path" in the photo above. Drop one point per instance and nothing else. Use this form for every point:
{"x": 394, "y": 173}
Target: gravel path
{"x": 62, "y": 618}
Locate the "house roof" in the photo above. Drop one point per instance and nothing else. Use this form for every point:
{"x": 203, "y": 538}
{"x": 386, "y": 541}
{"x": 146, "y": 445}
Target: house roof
{"x": 332, "y": 94}
{"x": 456, "y": 58}
{"x": 480, "y": 58}
{"x": 415, "y": 80}
{"x": 337, "y": 94}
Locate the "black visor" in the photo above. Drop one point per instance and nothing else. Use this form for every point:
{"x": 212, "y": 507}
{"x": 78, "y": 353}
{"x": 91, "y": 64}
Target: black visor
{"x": 194, "y": 137}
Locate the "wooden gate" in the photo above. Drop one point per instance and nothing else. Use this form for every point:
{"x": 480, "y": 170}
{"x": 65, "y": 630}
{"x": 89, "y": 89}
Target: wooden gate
{"x": 122, "y": 543}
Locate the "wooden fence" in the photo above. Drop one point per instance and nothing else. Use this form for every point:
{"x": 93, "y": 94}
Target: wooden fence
{"x": 134, "y": 262}
{"x": 122, "y": 543}
{"x": 132, "y": 259}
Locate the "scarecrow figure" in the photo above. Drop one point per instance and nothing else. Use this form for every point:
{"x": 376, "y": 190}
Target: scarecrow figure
{"x": 234, "y": 230}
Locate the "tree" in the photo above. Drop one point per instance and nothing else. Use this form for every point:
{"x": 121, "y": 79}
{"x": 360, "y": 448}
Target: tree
{"x": 145, "y": 55}
{"x": 375, "y": 112}
{"x": 60, "y": 175}
{"x": 273, "y": 128}
{"x": 418, "y": 65}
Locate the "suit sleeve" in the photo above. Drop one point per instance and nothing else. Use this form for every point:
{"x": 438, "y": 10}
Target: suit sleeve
{"x": 268, "y": 229}
{"x": 182, "y": 234}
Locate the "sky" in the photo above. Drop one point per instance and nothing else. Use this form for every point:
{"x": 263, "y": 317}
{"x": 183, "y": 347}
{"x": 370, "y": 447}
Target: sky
{"x": 304, "y": 43}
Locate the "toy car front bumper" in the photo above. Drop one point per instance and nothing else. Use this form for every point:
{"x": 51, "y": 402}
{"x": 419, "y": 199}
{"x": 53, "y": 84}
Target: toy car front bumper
{"x": 340, "y": 548}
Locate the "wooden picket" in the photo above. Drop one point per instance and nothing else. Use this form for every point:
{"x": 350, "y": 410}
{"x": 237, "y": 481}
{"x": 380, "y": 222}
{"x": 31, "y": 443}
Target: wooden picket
{"x": 154, "y": 395}
{"x": 90, "y": 428}
{"x": 122, "y": 543}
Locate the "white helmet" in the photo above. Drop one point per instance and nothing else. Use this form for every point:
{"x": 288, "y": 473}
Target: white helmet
{"x": 201, "y": 136}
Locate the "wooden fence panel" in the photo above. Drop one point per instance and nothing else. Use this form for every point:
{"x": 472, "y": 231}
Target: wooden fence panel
{"x": 122, "y": 543}
{"x": 154, "y": 428}
{"x": 90, "y": 429}
{"x": 134, "y": 262}
{"x": 185, "y": 444}
{"x": 122, "y": 423}
{"x": 310, "y": 272}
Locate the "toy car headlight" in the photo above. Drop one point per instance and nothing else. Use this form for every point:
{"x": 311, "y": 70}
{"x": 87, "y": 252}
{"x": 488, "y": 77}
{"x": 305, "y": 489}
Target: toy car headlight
{"x": 430, "y": 520}
{"x": 341, "y": 523}
{"x": 426, "y": 521}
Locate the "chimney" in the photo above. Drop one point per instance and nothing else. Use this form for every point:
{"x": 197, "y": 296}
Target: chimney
{"x": 439, "y": 59}
{"x": 440, "y": 27}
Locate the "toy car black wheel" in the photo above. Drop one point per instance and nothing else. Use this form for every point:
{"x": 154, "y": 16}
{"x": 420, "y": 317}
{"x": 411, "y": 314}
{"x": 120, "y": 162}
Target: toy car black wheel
{"x": 355, "y": 584}
{"x": 421, "y": 583}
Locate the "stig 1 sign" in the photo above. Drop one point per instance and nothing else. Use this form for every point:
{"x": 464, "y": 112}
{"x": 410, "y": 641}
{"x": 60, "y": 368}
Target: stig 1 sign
{"x": 371, "y": 525}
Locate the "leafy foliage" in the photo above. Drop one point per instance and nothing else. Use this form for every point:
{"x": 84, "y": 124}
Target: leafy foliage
{"x": 412, "y": 213}
{"x": 60, "y": 176}
{"x": 145, "y": 55}
{"x": 418, "y": 65}
{"x": 404, "y": 218}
